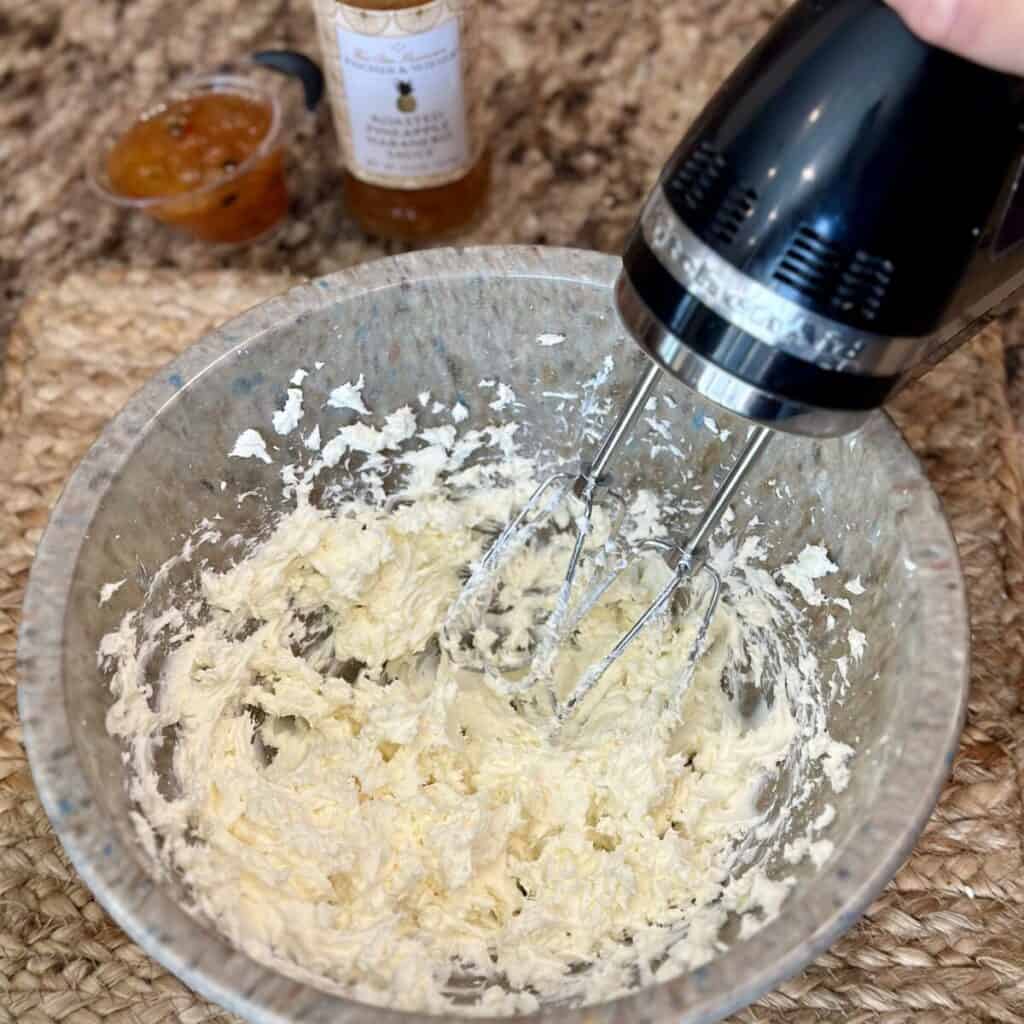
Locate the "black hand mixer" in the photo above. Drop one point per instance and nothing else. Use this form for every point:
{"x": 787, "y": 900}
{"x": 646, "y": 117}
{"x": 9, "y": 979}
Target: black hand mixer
{"x": 844, "y": 213}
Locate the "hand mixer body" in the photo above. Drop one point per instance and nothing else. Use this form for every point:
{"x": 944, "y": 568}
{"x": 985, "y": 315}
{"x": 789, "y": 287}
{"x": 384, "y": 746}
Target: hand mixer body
{"x": 845, "y": 209}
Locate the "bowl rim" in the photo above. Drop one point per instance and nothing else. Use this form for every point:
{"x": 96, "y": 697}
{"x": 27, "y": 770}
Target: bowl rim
{"x": 205, "y": 961}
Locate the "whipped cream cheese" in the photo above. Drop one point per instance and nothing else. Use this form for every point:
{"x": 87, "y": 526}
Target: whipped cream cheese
{"x": 346, "y": 802}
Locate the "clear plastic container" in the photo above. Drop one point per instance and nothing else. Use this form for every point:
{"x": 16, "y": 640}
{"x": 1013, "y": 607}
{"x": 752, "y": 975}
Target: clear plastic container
{"x": 207, "y": 156}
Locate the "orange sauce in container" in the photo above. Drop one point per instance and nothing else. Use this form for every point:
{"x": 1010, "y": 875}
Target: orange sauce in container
{"x": 206, "y": 164}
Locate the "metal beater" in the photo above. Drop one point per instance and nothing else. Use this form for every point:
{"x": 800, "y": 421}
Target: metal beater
{"x": 844, "y": 213}
{"x": 687, "y": 559}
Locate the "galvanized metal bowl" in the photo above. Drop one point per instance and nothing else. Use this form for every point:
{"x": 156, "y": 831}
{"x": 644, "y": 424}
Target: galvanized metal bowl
{"x": 441, "y": 320}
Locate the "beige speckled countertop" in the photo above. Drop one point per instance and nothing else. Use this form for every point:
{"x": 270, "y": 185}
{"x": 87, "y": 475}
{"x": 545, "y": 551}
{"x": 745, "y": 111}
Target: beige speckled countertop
{"x": 587, "y": 100}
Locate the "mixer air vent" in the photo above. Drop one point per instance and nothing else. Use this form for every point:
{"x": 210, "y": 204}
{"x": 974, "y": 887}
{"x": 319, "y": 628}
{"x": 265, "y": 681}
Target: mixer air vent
{"x": 699, "y": 177}
{"x": 713, "y": 203}
{"x": 730, "y": 216}
{"x": 848, "y": 287}
{"x": 863, "y": 285}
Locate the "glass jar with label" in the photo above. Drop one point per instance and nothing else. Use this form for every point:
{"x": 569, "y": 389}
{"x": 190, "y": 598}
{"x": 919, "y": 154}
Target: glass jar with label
{"x": 401, "y": 76}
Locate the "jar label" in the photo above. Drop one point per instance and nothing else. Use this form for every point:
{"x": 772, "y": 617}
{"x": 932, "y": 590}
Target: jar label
{"x": 399, "y": 91}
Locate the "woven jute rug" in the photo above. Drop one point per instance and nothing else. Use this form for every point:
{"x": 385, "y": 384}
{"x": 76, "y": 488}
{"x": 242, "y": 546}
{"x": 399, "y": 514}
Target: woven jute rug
{"x": 945, "y": 942}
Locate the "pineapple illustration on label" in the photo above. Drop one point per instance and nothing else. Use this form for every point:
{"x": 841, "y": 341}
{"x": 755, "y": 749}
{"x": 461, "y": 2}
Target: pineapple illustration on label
{"x": 406, "y": 102}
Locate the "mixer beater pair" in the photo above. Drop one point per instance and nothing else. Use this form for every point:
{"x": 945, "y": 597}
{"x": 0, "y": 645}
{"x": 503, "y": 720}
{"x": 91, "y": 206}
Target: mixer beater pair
{"x": 686, "y": 559}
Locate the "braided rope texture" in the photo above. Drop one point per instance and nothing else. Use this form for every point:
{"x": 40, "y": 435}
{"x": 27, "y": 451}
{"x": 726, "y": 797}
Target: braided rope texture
{"x": 943, "y": 944}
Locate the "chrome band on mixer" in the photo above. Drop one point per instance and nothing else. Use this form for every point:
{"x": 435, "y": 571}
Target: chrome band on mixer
{"x": 721, "y": 387}
{"x": 761, "y": 312}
